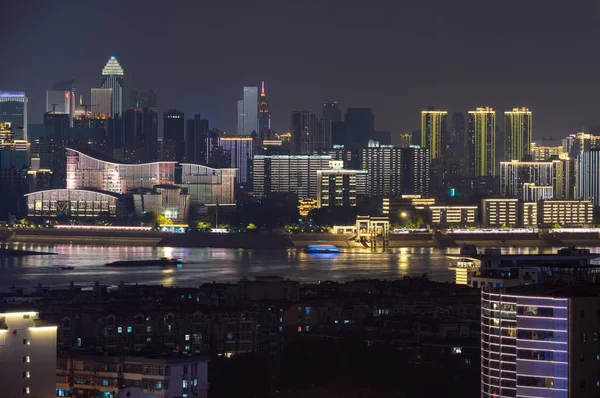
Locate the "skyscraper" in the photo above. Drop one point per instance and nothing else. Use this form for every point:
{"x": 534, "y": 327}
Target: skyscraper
{"x": 305, "y": 127}
{"x": 112, "y": 77}
{"x": 433, "y": 132}
{"x": 482, "y": 142}
{"x": 264, "y": 112}
{"x": 331, "y": 111}
{"x": 518, "y": 131}
{"x": 174, "y": 135}
{"x": 143, "y": 99}
{"x": 360, "y": 127}
{"x": 140, "y": 133}
{"x": 101, "y": 102}
{"x": 588, "y": 176}
{"x": 13, "y": 109}
{"x": 197, "y": 140}
{"x": 247, "y": 111}
{"x": 240, "y": 154}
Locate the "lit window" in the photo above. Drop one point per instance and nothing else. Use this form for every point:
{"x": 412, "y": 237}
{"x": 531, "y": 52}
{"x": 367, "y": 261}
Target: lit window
{"x": 187, "y": 348}
{"x": 119, "y": 329}
{"x": 159, "y": 385}
{"x": 184, "y": 384}
{"x": 307, "y": 310}
{"x": 26, "y": 375}
{"x": 105, "y": 383}
{"x": 26, "y": 390}
{"x": 129, "y": 329}
{"x": 187, "y": 337}
{"x": 148, "y": 339}
{"x": 27, "y": 342}
{"x": 27, "y": 359}
{"x": 148, "y": 329}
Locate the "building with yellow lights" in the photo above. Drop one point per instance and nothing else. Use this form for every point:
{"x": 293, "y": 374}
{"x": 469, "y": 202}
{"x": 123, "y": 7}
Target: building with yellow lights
{"x": 566, "y": 212}
{"x": 27, "y": 356}
{"x": 541, "y": 153}
{"x": 558, "y": 174}
{"x": 518, "y": 130}
{"x": 339, "y": 187}
{"x": 433, "y": 131}
{"x": 482, "y": 142}
{"x": 239, "y": 148}
{"x": 498, "y": 213}
{"x": 450, "y": 216}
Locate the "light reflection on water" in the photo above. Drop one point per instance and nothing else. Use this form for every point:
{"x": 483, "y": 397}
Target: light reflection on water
{"x": 206, "y": 264}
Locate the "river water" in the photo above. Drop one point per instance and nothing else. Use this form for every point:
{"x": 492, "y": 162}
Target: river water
{"x": 202, "y": 265}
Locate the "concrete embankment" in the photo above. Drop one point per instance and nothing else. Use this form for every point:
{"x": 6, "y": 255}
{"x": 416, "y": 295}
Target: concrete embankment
{"x": 276, "y": 240}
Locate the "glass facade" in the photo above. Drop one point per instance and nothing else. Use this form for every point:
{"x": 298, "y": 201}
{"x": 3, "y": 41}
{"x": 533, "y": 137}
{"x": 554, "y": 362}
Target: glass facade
{"x": 524, "y": 346}
{"x": 73, "y": 203}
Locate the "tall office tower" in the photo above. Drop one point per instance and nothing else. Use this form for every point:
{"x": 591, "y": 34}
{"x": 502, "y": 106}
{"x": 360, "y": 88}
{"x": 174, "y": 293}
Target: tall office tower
{"x": 360, "y": 127}
{"x": 247, "y": 111}
{"x": 264, "y": 112}
{"x": 14, "y": 165}
{"x": 143, "y": 99}
{"x": 240, "y": 154}
{"x": 518, "y": 131}
{"x": 112, "y": 77}
{"x": 339, "y": 187}
{"x": 588, "y": 176}
{"x": 140, "y": 135}
{"x": 415, "y": 171}
{"x": 305, "y": 128}
{"x": 53, "y": 149}
{"x": 323, "y": 140}
{"x": 197, "y": 140}
{"x": 13, "y": 109}
{"x": 101, "y": 102}
{"x": 482, "y": 142}
{"x": 537, "y": 340}
{"x": 287, "y": 173}
{"x": 433, "y": 132}
{"x": 174, "y": 135}
{"x": 27, "y": 356}
{"x": 331, "y": 111}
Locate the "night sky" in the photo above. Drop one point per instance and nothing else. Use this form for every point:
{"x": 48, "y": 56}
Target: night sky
{"x": 397, "y": 57}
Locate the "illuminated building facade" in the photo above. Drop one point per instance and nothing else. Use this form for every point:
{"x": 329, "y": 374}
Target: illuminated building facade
{"x": 453, "y": 215}
{"x": 14, "y": 166}
{"x": 499, "y": 213}
{"x": 566, "y": 212}
{"x": 75, "y": 203}
{"x": 534, "y": 193}
{"x": 240, "y": 154}
{"x": 264, "y": 112}
{"x": 588, "y": 176}
{"x": 207, "y": 186}
{"x": 518, "y": 131}
{"x": 405, "y": 140}
{"x": 541, "y": 153}
{"x": 529, "y": 214}
{"x": 13, "y": 109}
{"x": 482, "y": 142}
{"x": 87, "y": 171}
{"x": 536, "y": 341}
{"x": 112, "y": 77}
{"x": 168, "y": 200}
{"x": 287, "y": 173}
{"x": 513, "y": 176}
{"x": 433, "y": 132}
{"x": 247, "y": 111}
{"x": 27, "y": 355}
{"x": 102, "y": 102}
{"x": 339, "y": 187}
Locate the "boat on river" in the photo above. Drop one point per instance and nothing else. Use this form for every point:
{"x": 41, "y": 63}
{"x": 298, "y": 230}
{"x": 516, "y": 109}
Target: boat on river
{"x": 161, "y": 262}
{"x": 322, "y": 248}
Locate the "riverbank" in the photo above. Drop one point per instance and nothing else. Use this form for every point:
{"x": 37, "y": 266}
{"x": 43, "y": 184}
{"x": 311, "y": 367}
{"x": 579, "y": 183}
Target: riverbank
{"x": 275, "y": 240}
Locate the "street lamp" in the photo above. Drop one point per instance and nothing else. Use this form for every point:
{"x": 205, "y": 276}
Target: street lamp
{"x": 403, "y": 214}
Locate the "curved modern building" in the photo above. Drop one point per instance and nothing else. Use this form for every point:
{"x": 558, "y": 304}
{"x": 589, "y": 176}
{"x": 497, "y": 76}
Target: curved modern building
{"x": 75, "y": 203}
{"x": 205, "y": 185}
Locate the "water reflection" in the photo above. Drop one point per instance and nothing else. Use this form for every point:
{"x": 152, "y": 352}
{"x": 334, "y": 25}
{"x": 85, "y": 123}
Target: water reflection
{"x": 207, "y": 265}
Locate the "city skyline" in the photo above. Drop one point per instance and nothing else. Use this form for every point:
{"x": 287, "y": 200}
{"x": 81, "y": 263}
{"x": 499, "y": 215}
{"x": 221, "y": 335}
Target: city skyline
{"x": 184, "y": 82}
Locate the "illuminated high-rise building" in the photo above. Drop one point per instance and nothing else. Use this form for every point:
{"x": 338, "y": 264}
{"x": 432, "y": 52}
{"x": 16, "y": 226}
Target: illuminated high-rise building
{"x": 239, "y": 149}
{"x": 588, "y": 176}
{"x": 264, "y": 112}
{"x": 112, "y": 77}
{"x": 101, "y": 102}
{"x": 518, "y": 131}
{"x": 482, "y": 142}
{"x": 13, "y": 109}
{"x": 433, "y": 131}
{"x": 247, "y": 111}
{"x": 558, "y": 174}
{"x": 305, "y": 131}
